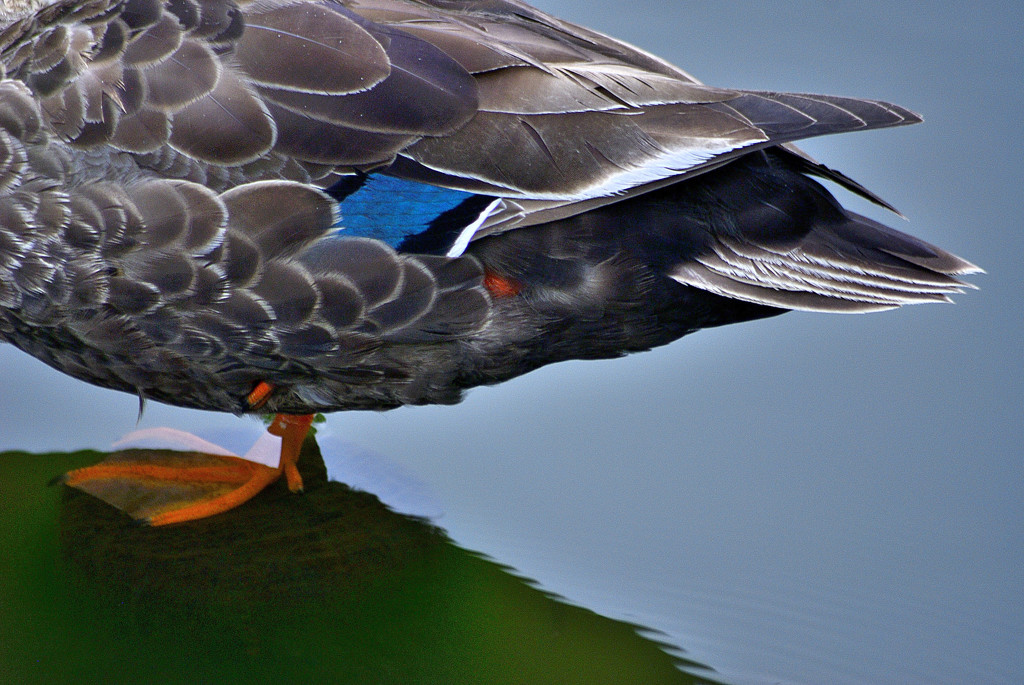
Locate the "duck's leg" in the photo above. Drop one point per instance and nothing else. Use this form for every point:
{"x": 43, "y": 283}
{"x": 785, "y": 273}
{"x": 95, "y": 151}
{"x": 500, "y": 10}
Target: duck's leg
{"x": 182, "y": 486}
{"x": 292, "y": 429}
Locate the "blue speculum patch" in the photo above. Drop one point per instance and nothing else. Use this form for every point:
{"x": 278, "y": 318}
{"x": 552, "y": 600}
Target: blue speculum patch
{"x": 409, "y": 216}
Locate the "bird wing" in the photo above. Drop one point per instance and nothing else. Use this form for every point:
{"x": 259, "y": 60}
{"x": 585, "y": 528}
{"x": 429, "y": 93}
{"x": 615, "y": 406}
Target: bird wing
{"x": 488, "y": 98}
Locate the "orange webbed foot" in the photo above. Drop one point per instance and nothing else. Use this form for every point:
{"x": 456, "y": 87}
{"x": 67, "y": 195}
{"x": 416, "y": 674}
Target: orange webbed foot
{"x": 160, "y": 487}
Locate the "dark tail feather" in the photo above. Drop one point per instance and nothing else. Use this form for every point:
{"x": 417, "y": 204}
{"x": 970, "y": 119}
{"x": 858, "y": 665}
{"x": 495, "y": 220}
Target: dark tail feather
{"x": 778, "y": 238}
{"x": 858, "y": 265}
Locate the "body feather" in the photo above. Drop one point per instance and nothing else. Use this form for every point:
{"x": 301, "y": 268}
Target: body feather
{"x": 370, "y": 203}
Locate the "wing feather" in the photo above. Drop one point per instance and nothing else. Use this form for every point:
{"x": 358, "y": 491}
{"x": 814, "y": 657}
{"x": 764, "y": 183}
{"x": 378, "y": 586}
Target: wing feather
{"x": 492, "y": 97}
{"x": 252, "y": 100}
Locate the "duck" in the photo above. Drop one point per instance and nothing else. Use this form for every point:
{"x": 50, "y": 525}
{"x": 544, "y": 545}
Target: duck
{"x": 290, "y": 207}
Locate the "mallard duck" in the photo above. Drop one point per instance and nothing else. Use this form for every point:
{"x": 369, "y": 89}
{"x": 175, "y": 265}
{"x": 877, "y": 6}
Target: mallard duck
{"x": 301, "y": 206}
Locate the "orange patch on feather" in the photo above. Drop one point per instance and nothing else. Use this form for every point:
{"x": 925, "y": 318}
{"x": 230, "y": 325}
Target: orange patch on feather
{"x": 500, "y": 286}
{"x": 259, "y": 395}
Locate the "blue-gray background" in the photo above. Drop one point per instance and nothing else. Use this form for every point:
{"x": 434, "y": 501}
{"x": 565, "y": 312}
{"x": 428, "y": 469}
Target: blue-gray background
{"x": 805, "y": 499}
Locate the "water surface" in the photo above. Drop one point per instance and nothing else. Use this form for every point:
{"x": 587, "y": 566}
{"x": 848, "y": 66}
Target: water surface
{"x": 805, "y": 499}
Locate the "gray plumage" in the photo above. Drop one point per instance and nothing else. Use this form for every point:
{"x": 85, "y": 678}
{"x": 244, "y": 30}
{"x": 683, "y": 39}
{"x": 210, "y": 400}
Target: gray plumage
{"x": 169, "y": 224}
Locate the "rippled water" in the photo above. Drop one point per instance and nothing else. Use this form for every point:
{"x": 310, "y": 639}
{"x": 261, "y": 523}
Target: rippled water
{"x": 807, "y": 499}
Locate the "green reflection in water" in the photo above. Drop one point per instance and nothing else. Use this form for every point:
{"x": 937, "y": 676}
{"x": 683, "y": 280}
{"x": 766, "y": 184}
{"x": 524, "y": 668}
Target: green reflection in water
{"x": 330, "y": 586}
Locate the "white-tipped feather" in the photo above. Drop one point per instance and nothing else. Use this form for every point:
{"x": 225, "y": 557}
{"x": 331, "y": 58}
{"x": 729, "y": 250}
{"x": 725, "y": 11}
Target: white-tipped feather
{"x": 467, "y": 233}
{"x": 800, "y": 279}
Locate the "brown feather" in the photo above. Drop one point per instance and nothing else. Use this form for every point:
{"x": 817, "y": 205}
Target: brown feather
{"x": 230, "y": 126}
{"x": 312, "y": 140}
{"x": 188, "y": 74}
{"x": 318, "y": 51}
{"x": 341, "y": 304}
{"x": 278, "y": 216}
{"x": 144, "y": 131}
{"x": 156, "y": 44}
{"x": 289, "y": 291}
